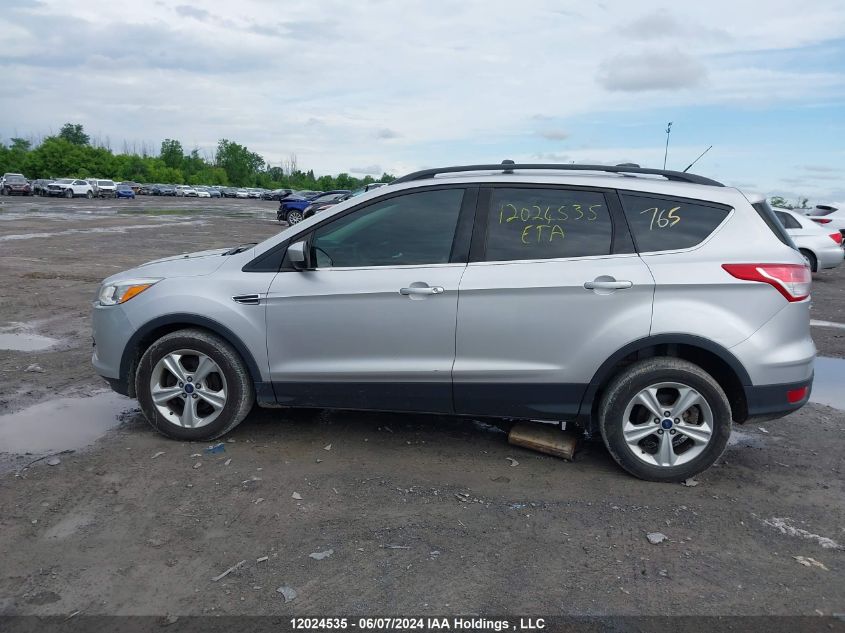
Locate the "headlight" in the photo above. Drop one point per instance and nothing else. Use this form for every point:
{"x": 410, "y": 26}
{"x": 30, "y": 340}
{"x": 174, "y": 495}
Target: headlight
{"x": 123, "y": 291}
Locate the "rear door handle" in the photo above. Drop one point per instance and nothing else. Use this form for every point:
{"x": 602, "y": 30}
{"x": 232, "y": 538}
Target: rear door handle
{"x": 421, "y": 290}
{"x": 608, "y": 285}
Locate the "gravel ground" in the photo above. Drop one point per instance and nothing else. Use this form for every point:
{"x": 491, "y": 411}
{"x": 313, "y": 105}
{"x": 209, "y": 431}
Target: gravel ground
{"x": 421, "y": 514}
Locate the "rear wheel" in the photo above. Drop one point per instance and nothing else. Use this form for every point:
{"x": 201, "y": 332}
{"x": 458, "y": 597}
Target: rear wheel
{"x": 811, "y": 260}
{"x": 664, "y": 419}
{"x": 294, "y": 216}
{"x": 192, "y": 385}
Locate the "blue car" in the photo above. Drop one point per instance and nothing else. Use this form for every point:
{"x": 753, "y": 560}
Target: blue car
{"x": 292, "y": 208}
{"x": 124, "y": 191}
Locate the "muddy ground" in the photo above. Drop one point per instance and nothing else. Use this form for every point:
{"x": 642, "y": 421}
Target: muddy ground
{"x": 421, "y": 515}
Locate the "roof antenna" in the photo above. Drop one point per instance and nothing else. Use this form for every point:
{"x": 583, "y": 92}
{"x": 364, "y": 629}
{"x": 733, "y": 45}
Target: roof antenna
{"x": 507, "y": 161}
{"x": 697, "y": 159}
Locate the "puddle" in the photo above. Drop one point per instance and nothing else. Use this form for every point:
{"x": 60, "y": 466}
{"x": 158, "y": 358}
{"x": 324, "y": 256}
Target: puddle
{"x": 109, "y": 229}
{"x": 828, "y": 382}
{"x": 24, "y": 342}
{"x": 62, "y": 424}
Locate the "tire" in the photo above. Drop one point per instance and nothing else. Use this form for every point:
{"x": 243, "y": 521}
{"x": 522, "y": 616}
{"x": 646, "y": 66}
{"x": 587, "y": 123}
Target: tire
{"x": 294, "y": 216}
{"x": 89, "y": 195}
{"x": 620, "y": 411}
{"x": 811, "y": 260}
{"x": 229, "y": 377}
{"x": 68, "y": 193}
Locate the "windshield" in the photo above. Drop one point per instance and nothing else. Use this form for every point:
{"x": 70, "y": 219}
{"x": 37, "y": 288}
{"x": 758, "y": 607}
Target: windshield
{"x": 64, "y": 181}
{"x": 105, "y": 183}
{"x": 15, "y": 179}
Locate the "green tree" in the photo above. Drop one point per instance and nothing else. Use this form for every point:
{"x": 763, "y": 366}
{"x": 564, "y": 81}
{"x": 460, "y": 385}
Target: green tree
{"x": 171, "y": 153}
{"x": 241, "y": 165}
{"x": 74, "y": 133}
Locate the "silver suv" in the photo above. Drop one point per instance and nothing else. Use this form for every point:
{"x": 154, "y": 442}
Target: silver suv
{"x": 648, "y": 306}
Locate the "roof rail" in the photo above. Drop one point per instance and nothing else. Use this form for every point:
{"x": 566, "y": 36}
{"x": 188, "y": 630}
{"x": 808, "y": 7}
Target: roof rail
{"x": 508, "y": 167}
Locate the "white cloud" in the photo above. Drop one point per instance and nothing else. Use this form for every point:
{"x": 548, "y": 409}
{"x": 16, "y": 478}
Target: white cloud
{"x": 664, "y": 69}
{"x": 373, "y": 170}
{"x": 554, "y": 135}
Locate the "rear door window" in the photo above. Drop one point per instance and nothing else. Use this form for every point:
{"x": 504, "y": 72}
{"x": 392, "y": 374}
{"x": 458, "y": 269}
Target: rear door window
{"x": 664, "y": 224}
{"x": 547, "y": 223}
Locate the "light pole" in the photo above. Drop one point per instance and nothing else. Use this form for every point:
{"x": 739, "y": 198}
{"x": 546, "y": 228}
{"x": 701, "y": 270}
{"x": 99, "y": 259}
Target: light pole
{"x": 666, "y": 151}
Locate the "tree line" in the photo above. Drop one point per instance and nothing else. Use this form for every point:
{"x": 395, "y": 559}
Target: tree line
{"x": 71, "y": 154}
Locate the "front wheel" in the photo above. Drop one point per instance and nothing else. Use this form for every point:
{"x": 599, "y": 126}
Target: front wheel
{"x": 89, "y": 195}
{"x": 192, "y": 385}
{"x": 68, "y": 193}
{"x": 664, "y": 419}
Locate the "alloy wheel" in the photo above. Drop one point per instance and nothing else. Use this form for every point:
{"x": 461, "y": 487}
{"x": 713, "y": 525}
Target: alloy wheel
{"x": 667, "y": 424}
{"x": 188, "y": 388}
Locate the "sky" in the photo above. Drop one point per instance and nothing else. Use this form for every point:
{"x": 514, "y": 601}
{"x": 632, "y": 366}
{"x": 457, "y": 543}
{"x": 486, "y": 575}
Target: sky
{"x": 398, "y": 85}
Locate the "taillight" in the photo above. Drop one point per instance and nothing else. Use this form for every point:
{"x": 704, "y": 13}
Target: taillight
{"x": 796, "y": 395}
{"x": 821, "y": 220}
{"x": 791, "y": 280}
{"x": 836, "y": 237}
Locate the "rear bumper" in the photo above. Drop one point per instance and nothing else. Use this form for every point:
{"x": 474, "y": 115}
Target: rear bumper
{"x": 773, "y": 401}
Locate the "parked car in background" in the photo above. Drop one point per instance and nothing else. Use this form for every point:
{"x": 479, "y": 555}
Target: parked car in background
{"x": 102, "y": 188}
{"x": 241, "y": 193}
{"x": 9, "y": 174}
{"x": 325, "y": 201}
{"x": 202, "y": 192}
{"x": 214, "y": 192}
{"x": 186, "y": 191}
{"x": 16, "y": 185}
{"x": 292, "y": 208}
{"x": 145, "y": 190}
{"x": 164, "y": 190}
{"x": 124, "y": 191}
{"x": 39, "y": 186}
{"x": 828, "y": 217}
{"x": 301, "y": 193}
{"x": 70, "y": 188}
{"x": 652, "y": 309}
{"x": 820, "y": 246}
{"x": 134, "y": 186}
{"x": 276, "y": 194}
{"x": 229, "y": 192}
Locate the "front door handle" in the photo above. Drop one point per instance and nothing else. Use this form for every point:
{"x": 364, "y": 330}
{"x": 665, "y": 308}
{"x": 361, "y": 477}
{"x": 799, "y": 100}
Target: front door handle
{"x": 421, "y": 290}
{"x": 608, "y": 284}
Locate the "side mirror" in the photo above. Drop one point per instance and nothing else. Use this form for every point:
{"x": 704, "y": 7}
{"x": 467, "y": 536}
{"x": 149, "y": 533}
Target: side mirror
{"x": 300, "y": 255}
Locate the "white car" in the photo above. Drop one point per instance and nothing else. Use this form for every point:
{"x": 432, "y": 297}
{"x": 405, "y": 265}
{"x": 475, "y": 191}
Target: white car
{"x": 828, "y": 217}
{"x": 103, "y": 188}
{"x": 203, "y": 193}
{"x": 242, "y": 193}
{"x": 70, "y": 188}
{"x": 186, "y": 191}
{"x": 820, "y": 246}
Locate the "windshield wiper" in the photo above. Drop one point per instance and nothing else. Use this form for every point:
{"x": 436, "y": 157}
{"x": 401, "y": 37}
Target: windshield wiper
{"x": 240, "y": 249}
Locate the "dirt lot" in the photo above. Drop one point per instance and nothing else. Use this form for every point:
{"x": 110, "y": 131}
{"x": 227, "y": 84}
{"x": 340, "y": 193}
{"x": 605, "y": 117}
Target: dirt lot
{"x": 421, "y": 515}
